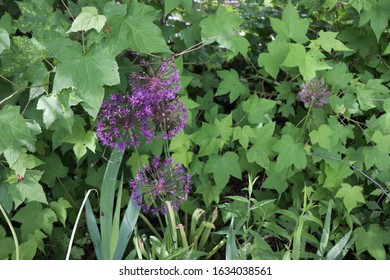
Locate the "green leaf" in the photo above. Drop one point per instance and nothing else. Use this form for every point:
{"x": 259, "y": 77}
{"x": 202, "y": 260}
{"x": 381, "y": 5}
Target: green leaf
{"x": 243, "y": 134}
{"x": 87, "y": 74}
{"x": 59, "y": 207}
{"x": 33, "y": 217}
{"x": 53, "y": 169}
{"x": 335, "y": 174}
{"x": 208, "y": 139}
{"x": 88, "y": 19}
{"x": 132, "y": 28}
{"x": 259, "y": 110}
{"x": 377, "y": 13}
{"x": 262, "y": 145}
{"x": 328, "y": 41}
{"x": 351, "y": 196}
{"x": 231, "y": 84}
{"x": 308, "y": 62}
{"x": 321, "y": 136}
{"x": 17, "y": 134}
{"x": 291, "y": 26}
{"x": 222, "y": 27}
{"x": 224, "y": 127}
{"x": 223, "y": 167}
{"x": 5, "y": 42}
{"x": 372, "y": 241}
{"x": 23, "y": 162}
{"x": 28, "y": 188}
{"x": 290, "y": 153}
{"x": 272, "y": 61}
{"x": 57, "y": 107}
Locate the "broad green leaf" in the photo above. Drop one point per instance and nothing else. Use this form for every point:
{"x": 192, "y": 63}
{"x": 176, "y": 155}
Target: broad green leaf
{"x": 378, "y": 14}
{"x": 132, "y": 27}
{"x": 170, "y": 5}
{"x": 272, "y": 61}
{"x": 208, "y": 139}
{"x": 17, "y": 134}
{"x": 275, "y": 180}
{"x": 308, "y": 62}
{"x": 87, "y": 74}
{"x": 224, "y": 127}
{"x": 321, "y": 136}
{"x": 209, "y": 192}
{"x": 339, "y": 77}
{"x": 5, "y": 42}
{"x": 243, "y": 134}
{"x": 53, "y": 169}
{"x": 7, "y": 246}
{"x": 262, "y": 145}
{"x": 259, "y": 110}
{"x": 291, "y": 26}
{"x": 33, "y": 217}
{"x": 352, "y": 196}
{"x": 59, "y": 207}
{"x": 373, "y": 156}
{"x": 372, "y": 240}
{"x": 369, "y": 92}
{"x": 382, "y": 142}
{"x": 334, "y": 176}
{"x": 223, "y": 167}
{"x": 231, "y": 84}
{"x": 328, "y": 41}
{"x": 290, "y": 153}
{"x": 223, "y": 27}
{"x": 28, "y": 188}
{"x": 88, "y": 19}
{"x": 24, "y": 161}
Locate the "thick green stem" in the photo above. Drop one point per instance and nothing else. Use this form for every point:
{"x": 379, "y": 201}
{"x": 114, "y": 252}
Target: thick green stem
{"x": 12, "y": 231}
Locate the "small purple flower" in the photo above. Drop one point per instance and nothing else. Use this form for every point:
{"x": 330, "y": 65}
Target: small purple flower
{"x": 117, "y": 123}
{"x": 160, "y": 182}
{"x": 315, "y": 91}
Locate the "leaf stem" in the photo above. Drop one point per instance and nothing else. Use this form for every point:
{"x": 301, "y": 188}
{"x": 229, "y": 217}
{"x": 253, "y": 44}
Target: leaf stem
{"x": 16, "y": 242}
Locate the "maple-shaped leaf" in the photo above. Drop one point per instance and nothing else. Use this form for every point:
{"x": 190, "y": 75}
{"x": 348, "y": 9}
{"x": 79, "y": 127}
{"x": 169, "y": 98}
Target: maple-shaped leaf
{"x": 208, "y": 139}
{"x": 33, "y": 217}
{"x": 272, "y": 61}
{"x": 352, "y": 196}
{"x": 88, "y": 19}
{"x": 231, "y": 84}
{"x": 291, "y": 26}
{"x": 131, "y": 27}
{"x": 321, "y": 136}
{"x": 223, "y": 167}
{"x": 308, "y": 62}
{"x": 290, "y": 153}
{"x": 259, "y": 110}
{"x": 328, "y": 41}
{"x": 59, "y": 207}
{"x": 223, "y": 27}
{"x": 377, "y": 12}
{"x": 372, "y": 240}
{"x": 86, "y": 74}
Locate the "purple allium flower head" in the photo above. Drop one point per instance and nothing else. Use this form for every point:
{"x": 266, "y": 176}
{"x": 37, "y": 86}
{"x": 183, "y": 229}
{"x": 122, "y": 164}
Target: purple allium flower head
{"x": 315, "y": 91}
{"x": 158, "y": 182}
{"x": 117, "y": 122}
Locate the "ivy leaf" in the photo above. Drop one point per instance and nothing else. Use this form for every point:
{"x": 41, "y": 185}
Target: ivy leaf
{"x": 290, "y": 153}
{"x": 132, "y": 27}
{"x": 17, "y": 134}
{"x": 208, "y": 139}
{"x": 377, "y": 13}
{"x": 33, "y": 217}
{"x": 259, "y": 110}
{"x": 351, "y": 196}
{"x": 223, "y": 167}
{"x": 59, "y": 207}
{"x": 223, "y": 27}
{"x": 230, "y": 84}
{"x": 372, "y": 241}
{"x": 262, "y": 145}
{"x": 308, "y": 62}
{"x": 28, "y": 188}
{"x": 291, "y": 26}
{"x": 321, "y": 136}
{"x": 328, "y": 41}
{"x": 272, "y": 61}
{"x": 88, "y": 19}
{"x": 87, "y": 74}
{"x": 5, "y": 42}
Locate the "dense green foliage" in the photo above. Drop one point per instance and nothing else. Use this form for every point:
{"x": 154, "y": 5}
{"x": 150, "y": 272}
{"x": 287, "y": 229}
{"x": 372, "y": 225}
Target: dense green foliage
{"x": 272, "y": 178}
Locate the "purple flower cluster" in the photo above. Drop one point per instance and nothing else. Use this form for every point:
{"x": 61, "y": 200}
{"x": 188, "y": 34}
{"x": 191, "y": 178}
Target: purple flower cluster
{"x": 150, "y": 109}
{"x": 315, "y": 91}
{"x": 158, "y": 182}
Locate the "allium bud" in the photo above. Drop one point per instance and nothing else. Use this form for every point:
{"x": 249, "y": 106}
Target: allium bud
{"x": 315, "y": 91}
{"x": 158, "y": 182}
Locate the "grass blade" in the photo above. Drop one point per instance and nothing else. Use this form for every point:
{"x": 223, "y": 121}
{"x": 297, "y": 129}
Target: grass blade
{"x": 107, "y": 197}
{"x": 339, "y": 248}
{"x": 116, "y": 220}
{"x": 297, "y": 238}
{"x": 93, "y": 230}
{"x": 326, "y": 230}
{"x": 231, "y": 246}
{"x": 129, "y": 221}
